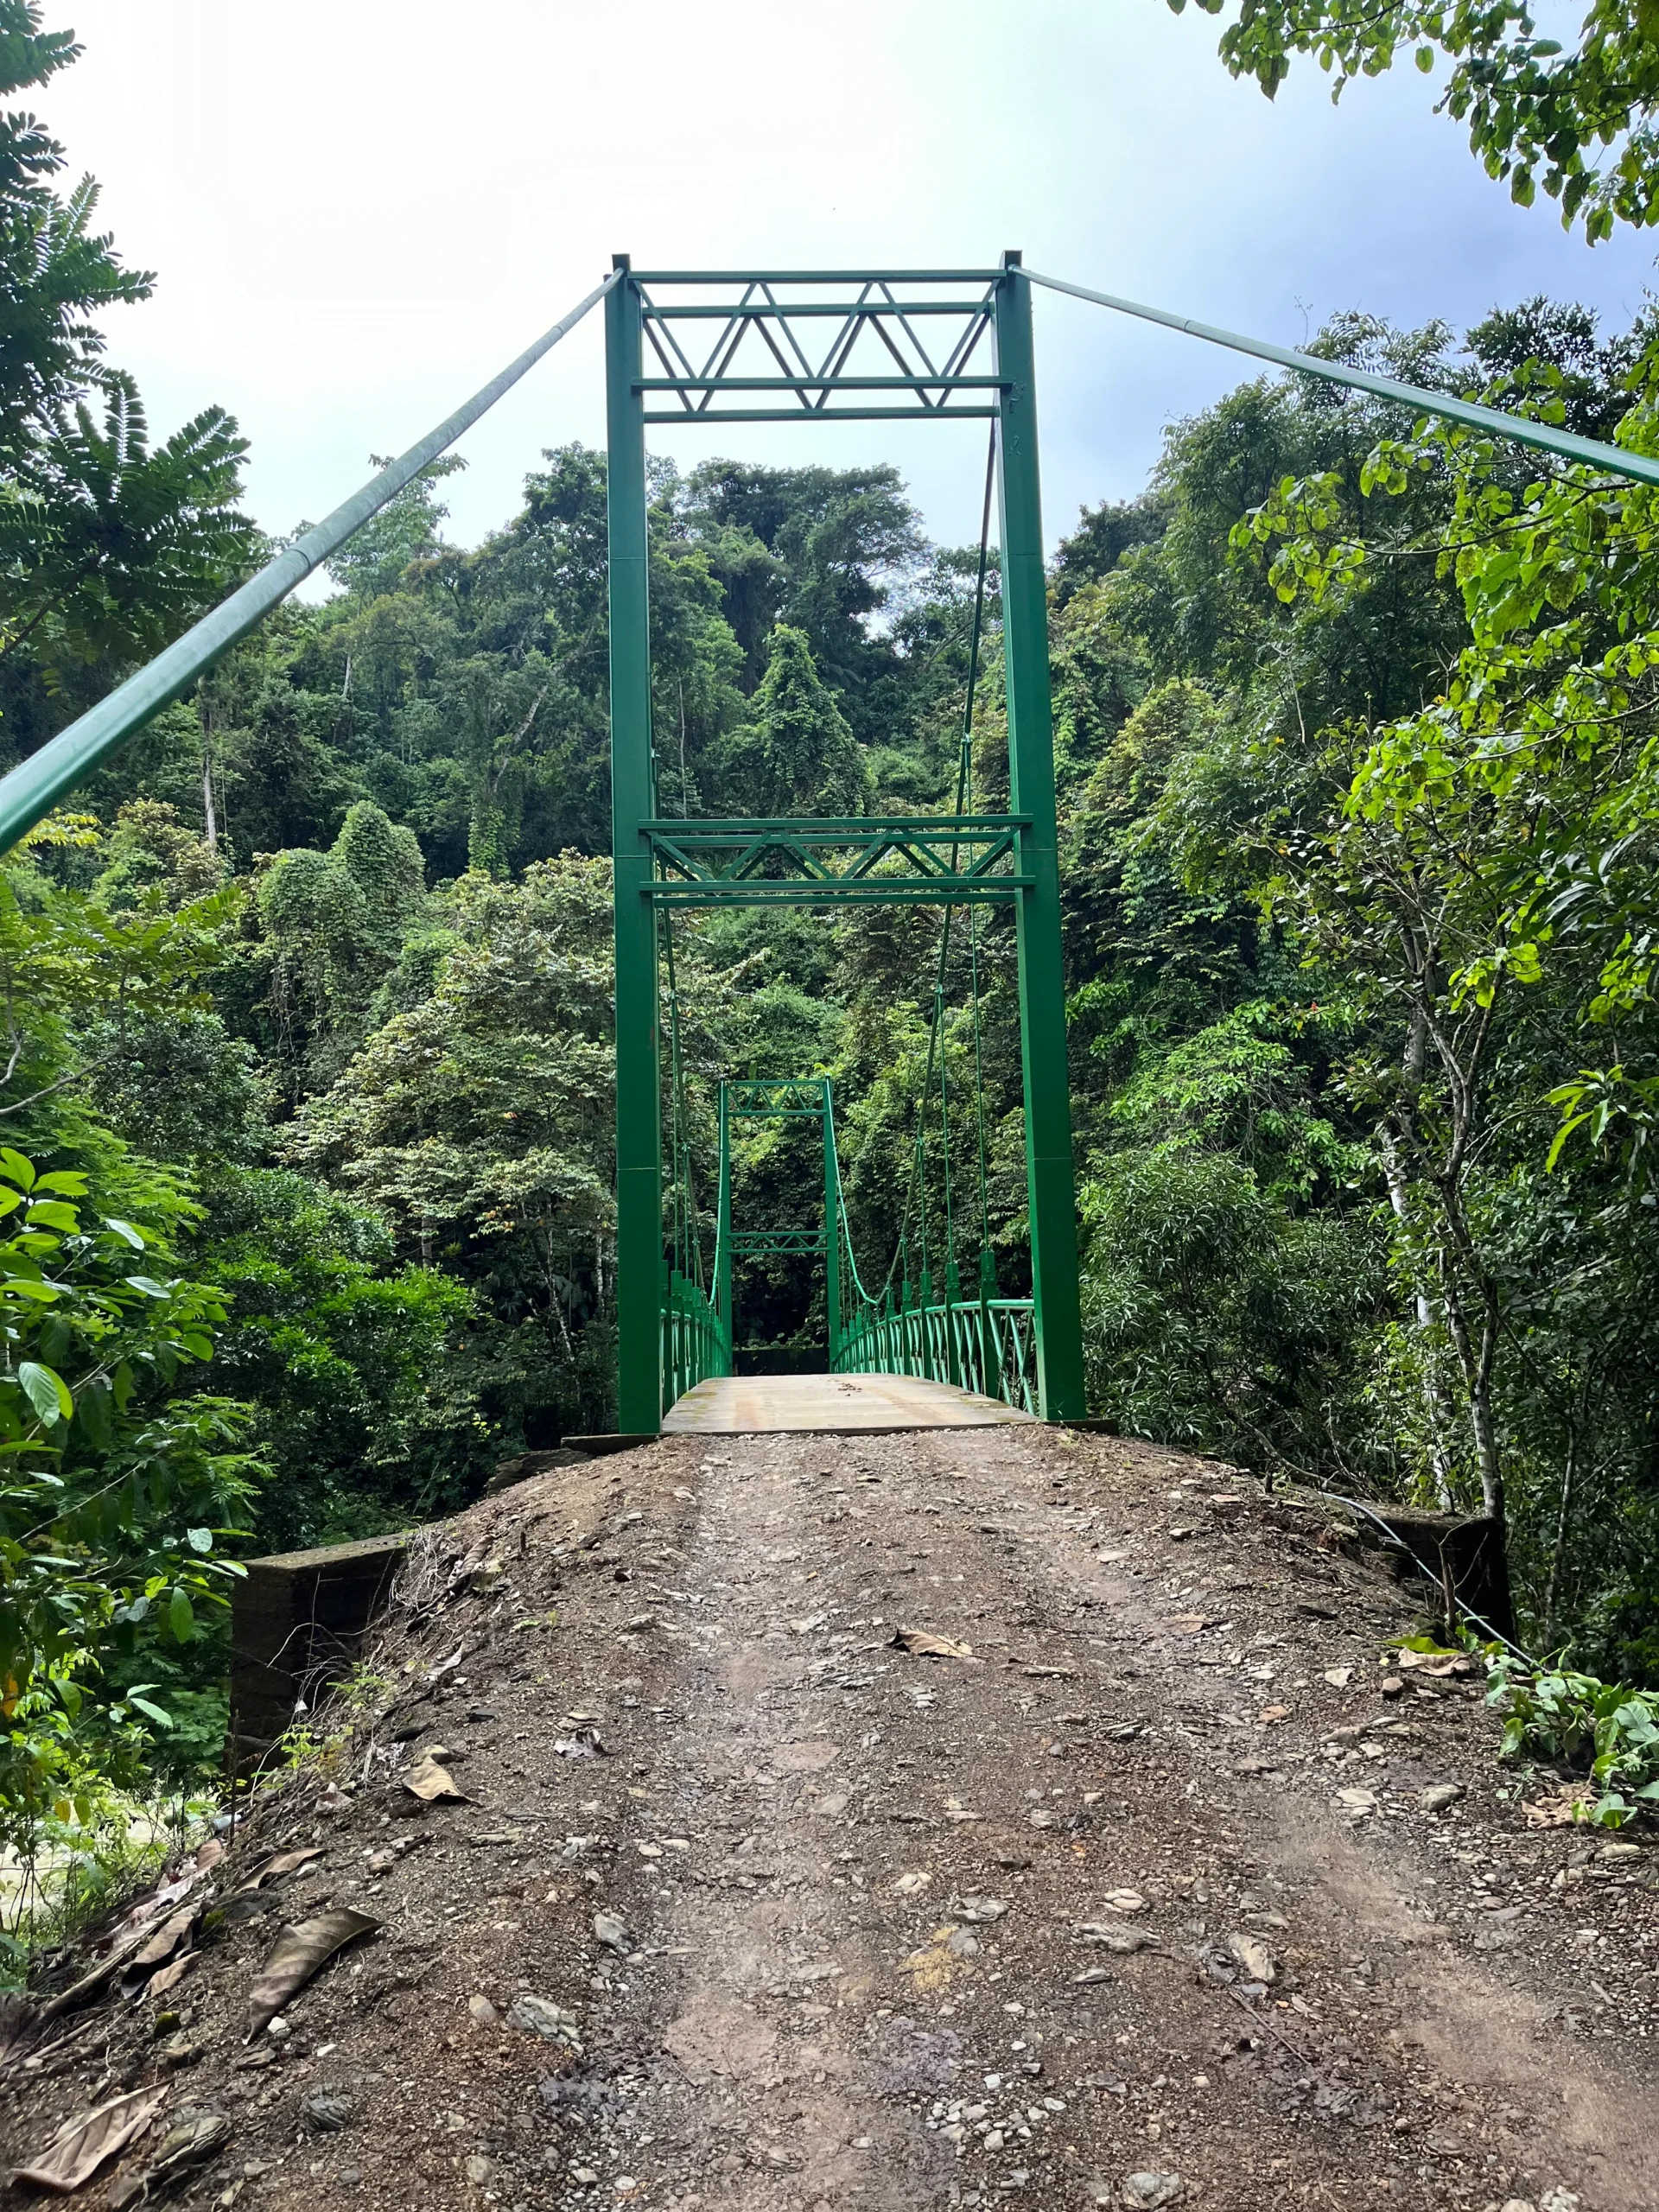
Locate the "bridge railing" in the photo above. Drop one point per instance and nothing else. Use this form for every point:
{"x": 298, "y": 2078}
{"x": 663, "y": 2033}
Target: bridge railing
{"x": 696, "y": 1343}
{"x": 984, "y": 1344}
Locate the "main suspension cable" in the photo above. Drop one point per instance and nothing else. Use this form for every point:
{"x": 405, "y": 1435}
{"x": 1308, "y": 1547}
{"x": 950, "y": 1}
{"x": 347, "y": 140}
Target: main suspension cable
{"x": 34, "y": 786}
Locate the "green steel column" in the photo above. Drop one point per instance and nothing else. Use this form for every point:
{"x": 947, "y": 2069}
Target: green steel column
{"x": 723, "y": 1223}
{"x": 639, "y": 1126}
{"x": 1031, "y": 792}
{"x": 831, "y": 1233}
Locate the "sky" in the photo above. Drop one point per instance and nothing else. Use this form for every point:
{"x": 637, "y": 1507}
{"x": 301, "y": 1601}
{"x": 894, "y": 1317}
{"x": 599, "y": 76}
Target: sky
{"x": 359, "y": 211}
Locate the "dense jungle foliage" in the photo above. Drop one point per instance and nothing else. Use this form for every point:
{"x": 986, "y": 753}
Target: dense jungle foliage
{"x": 307, "y": 1065}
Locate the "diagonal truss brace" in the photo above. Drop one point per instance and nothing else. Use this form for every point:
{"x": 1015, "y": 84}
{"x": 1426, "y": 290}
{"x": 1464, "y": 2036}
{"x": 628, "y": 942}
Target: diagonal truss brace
{"x": 807, "y": 861}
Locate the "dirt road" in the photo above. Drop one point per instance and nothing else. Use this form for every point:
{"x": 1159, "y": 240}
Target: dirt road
{"x": 1168, "y": 1894}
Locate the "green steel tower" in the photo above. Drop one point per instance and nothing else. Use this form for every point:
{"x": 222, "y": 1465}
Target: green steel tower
{"x": 707, "y": 347}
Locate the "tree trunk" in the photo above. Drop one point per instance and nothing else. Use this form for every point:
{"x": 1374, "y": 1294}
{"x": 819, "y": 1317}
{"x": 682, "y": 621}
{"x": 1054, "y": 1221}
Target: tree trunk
{"x": 1476, "y": 1366}
{"x": 209, "y": 815}
{"x": 1439, "y": 1413}
{"x": 1564, "y": 1515}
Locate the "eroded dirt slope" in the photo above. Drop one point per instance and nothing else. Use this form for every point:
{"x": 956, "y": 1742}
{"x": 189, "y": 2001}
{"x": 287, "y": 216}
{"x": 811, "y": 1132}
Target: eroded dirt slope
{"x": 1165, "y": 1895}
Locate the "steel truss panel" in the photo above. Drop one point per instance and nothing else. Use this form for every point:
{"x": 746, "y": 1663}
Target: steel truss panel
{"x": 802, "y": 859}
{"x": 817, "y": 275}
{"x": 761, "y": 1097}
{"x": 883, "y": 332}
{"x": 877, "y": 891}
{"x": 698, "y": 417}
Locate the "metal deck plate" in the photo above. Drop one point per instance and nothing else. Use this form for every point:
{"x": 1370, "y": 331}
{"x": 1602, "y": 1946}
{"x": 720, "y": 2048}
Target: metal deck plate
{"x": 738, "y": 1405}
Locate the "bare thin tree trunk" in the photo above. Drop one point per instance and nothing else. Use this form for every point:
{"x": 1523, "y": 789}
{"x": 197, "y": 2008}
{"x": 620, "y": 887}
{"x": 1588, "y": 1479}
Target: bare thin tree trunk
{"x": 1558, "y": 1549}
{"x": 209, "y": 814}
{"x": 1578, "y": 1424}
{"x": 1439, "y": 1413}
{"x": 1461, "y": 1055}
{"x": 1475, "y": 1364}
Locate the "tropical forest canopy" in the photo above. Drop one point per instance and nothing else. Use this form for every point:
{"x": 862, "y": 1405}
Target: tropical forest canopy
{"x": 307, "y": 1059}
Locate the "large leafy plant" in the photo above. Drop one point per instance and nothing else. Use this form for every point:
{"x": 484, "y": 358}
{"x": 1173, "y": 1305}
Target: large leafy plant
{"x": 116, "y": 1491}
{"x": 1605, "y": 1728}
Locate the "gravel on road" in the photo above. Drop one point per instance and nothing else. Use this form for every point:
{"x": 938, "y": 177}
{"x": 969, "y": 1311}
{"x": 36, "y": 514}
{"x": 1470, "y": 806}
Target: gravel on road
{"x": 900, "y": 1821}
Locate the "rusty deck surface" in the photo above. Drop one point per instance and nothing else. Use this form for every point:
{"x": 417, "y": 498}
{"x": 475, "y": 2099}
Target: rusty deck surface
{"x": 738, "y": 1405}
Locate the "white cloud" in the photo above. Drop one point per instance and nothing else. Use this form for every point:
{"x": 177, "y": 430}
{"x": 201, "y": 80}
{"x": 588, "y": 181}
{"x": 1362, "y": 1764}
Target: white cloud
{"x": 359, "y": 211}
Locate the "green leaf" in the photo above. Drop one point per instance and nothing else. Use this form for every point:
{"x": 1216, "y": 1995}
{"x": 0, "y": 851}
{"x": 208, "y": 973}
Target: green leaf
{"x": 54, "y": 1213}
{"x": 125, "y": 1230}
{"x": 200, "y": 1540}
{"x": 47, "y": 1391}
{"x": 151, "y": 1711}
{"x": 180, "y": 1618}
{"x": 148, "y": 1284}
{"x": 16, "y": 1169}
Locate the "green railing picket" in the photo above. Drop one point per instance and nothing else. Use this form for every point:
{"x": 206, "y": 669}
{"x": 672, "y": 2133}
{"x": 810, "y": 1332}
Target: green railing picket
{"x": 987, "y": 1339}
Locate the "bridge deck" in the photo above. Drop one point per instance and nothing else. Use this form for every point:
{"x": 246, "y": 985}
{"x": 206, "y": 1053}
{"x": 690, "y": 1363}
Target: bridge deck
{"x": 734, "y": 1405}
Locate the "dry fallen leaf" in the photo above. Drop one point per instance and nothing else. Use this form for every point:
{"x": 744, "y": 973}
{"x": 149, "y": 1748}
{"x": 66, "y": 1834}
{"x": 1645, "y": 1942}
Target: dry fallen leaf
{"x": 285, "y": 1862}
{"x": 1437, "y": 1665}
{"x": 171, "y": 1976}
{"x": 431, "y": 1781}
{"x": 1273, "y": 1712}
{"x": 194, "y": 2138}
{"x": 1338, "y": 1677}
{"x": 173, "y": 1931}
{"x": 81, "y": 2144}
{"x": 1125, "y": 1901}
{"x": 926, "y": 1645}
{"x": 1563, "y": 1810}
{"x": 295, "y": 1955}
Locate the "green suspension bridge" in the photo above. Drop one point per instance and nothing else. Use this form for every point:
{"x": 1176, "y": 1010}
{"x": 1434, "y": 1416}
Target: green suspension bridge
{"x": 695, "y": 348}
